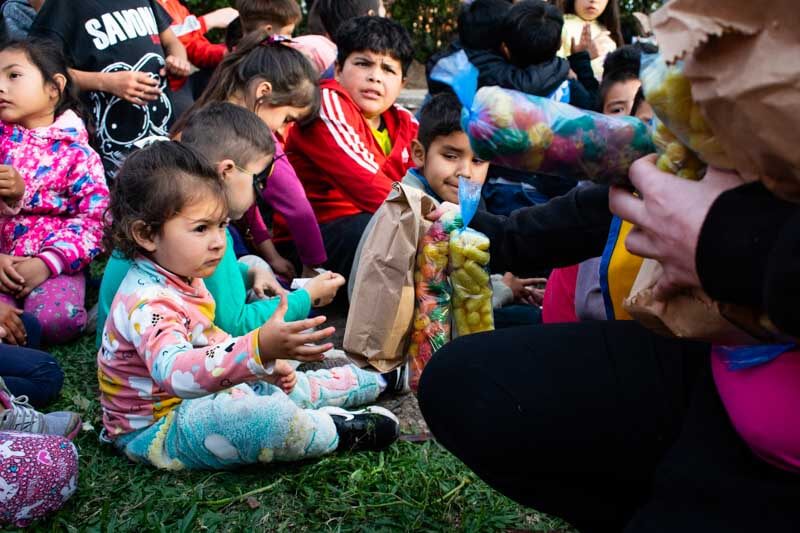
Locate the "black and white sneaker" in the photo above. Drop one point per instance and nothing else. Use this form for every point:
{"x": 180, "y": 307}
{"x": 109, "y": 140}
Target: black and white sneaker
{"x": 397, "y": 380}
{"x": 373, "y": 428}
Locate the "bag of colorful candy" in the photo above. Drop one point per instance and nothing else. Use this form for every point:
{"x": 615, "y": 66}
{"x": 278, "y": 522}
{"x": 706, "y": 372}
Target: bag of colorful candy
{"x": 683, "y": 127}
{"x": 431, "y": 328}
{"x": 536, "y": 134}
{"x": 469, "y": 268}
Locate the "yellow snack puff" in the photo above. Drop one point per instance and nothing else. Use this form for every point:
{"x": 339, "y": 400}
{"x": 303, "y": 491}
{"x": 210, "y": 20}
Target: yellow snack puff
{"x": 479, "y": 256}
{"x": 473, "y": 304}
{"x": 461, "y": 320}
{"x": 474, "y": 319}
{"x": 462, "y": 279}
{"x": 476, "y": 273}
{"x": 457, "y": 259}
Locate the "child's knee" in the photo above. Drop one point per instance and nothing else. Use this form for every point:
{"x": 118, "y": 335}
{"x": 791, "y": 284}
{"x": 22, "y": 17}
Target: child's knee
{"x": 62, "y": 325}
{"x": 47, "y": 479}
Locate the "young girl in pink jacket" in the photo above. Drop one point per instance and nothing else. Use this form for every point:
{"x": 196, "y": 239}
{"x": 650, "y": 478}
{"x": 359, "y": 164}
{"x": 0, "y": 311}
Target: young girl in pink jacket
{"x": 52, "y": 230}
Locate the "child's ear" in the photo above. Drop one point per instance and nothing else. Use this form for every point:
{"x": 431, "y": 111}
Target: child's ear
{"x": 225, "y": 168}
{"x": 417, "y": 153}
{"x": 263, "y": 89}
{"x": 59, "y": 83}
{"x": 337, "y": 70}
{"x": 143, "y": 236}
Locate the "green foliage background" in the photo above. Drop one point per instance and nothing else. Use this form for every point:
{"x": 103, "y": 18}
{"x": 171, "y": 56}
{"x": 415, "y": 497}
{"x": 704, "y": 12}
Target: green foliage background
{"x": 431, "y": 22}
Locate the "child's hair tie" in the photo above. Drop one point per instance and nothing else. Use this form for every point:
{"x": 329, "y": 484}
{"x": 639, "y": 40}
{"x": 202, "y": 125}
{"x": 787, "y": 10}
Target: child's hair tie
{"x": 276, "y": 38}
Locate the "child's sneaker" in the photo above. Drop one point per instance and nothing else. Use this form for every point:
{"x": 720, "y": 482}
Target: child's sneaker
{"x": 397, "y": 380}
{"x": 16, "y": 414}
{"x": 373, "y": 428}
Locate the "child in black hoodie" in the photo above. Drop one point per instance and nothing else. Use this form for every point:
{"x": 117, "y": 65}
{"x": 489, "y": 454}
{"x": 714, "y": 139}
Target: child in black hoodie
{"x": 513, "y": 47}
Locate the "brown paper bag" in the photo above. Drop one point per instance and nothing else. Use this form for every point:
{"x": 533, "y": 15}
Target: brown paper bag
{"x": 692, "y": 314}
{"x": 382, "y": 303}
{"x": 742, "y": 60}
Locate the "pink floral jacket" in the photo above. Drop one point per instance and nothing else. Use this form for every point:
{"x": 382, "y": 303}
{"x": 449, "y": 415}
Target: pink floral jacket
{"x": 60, "y": 219}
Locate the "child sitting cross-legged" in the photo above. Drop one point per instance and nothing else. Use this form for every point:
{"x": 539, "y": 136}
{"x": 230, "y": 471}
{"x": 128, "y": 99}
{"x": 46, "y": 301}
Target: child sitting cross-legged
{"x": 442, "y": 153}
{"x": 178, "y": 392}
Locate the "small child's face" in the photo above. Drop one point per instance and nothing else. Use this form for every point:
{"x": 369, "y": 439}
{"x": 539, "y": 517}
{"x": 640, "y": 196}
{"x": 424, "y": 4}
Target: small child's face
{"x": 239, "y": 183}
{"x": 191, "y": 244}
{"x": 25, "y": 98}
{"x": 590, "y": 9}
{"x": 373, "y": 81}
{"x": 447, "y": 158}
{"x": 620, "y": 97}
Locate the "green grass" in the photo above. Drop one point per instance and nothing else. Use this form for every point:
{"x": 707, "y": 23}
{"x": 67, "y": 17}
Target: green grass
{"x": 410, "y": 487}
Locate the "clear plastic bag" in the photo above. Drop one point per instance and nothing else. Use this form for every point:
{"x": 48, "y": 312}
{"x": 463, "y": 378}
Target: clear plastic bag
{"x": 669, "y": 92}
{"x": 536, "y": 134}
{"x": 673, "y": 156}
{"x": 469, "y": 269}
{"x": 431, "y": 329}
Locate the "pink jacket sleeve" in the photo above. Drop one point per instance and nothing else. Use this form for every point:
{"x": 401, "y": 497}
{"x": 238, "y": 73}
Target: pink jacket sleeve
{"x": 286, "y": 195}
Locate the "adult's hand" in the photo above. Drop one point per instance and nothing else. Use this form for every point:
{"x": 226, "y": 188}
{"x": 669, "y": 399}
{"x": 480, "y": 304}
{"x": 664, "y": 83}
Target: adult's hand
{"x": 668, "y": 214}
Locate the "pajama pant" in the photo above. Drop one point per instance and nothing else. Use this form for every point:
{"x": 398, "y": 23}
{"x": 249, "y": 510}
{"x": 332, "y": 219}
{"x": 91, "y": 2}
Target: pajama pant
{"x": 58, "y": 305}
{"x": 253, "y": 423}
{"x": 38, "y": 473}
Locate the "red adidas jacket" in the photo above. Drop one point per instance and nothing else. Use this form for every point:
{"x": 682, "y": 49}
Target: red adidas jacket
{"x": 191, "y": 31}
{"x": 342, "y": 167}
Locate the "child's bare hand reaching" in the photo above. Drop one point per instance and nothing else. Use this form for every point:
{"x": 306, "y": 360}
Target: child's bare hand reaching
{"x": 278, "y": 339}
{"x": 264, "y": 283}
{"x": 283, "y": 376}
{"x": 322, "y": 289}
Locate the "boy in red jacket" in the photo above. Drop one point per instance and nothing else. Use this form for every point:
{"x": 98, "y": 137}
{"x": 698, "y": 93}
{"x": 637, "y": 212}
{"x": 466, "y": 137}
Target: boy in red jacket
{"x": 349, "y": 157}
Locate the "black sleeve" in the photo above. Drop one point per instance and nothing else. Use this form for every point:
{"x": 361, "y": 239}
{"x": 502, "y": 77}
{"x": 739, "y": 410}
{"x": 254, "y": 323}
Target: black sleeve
{"x": 540, "y": 80}
{"x": 581, "y": 65}
{"x": 564, "y": 231}
{"x": 56, "y": 21}
{"x": 163, "y": 19}
{"x": 748, "y": 253}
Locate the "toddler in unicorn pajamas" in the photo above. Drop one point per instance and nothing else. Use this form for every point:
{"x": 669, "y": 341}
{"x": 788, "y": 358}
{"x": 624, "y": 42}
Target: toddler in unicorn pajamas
{"x": 177, "y": 392}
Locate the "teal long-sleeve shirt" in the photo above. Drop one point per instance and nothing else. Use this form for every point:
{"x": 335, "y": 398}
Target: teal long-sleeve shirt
{"x": 228, "y": 286}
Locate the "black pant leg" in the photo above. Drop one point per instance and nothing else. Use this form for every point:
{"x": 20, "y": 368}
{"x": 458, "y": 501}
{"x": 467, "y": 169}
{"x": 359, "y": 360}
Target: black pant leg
{"x": 710, "y": 481}
{"x": 341, "y": 239}
{"x": 570, "y": 419}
